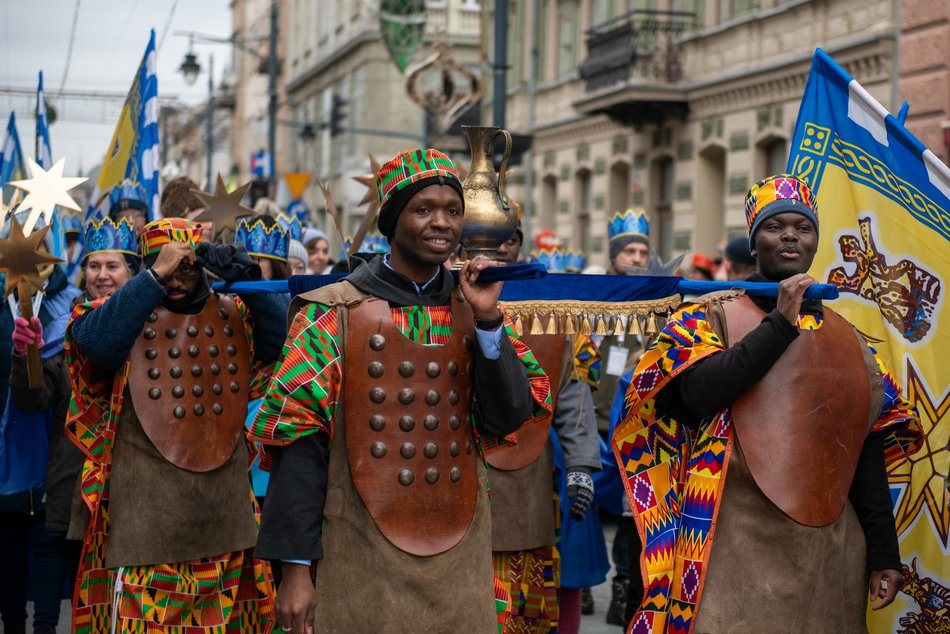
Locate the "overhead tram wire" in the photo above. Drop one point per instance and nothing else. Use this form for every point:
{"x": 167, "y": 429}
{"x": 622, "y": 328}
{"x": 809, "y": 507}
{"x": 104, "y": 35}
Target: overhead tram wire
{"x": 69, "y": 48}
{"x": 168, "y": 24}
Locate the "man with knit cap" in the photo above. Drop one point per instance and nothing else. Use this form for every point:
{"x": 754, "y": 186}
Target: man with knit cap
{"x": 628, "y": 234}
{"x": 161, "y": 373}
{"x": 789, "y": 416}
{"x": 403, "y": 369}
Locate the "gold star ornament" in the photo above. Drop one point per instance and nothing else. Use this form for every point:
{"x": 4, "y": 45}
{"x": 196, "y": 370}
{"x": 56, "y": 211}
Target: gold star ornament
{"x": 369, "y": 181}
{"x": 21, "y": 256}
{"x": 45, "y": 190}
{"x": 222, "y": 208}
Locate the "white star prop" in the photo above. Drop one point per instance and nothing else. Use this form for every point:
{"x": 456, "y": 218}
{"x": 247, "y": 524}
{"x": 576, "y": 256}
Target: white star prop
{"x": 46, "y": 190}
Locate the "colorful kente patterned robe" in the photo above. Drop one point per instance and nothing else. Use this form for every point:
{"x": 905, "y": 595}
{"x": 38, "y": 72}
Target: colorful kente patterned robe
{"x": 307, "y": 387}
{"x": 674, "y": 478}
{"x": 532, "y": 577}
{"x": 230, "y": 592}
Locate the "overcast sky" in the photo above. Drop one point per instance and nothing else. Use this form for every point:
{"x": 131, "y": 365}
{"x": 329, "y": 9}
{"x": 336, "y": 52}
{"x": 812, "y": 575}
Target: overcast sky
{"x": 109, "y": 42}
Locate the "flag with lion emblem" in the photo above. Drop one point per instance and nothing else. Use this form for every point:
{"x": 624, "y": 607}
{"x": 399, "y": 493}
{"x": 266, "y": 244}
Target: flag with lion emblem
{"x": 885, "y": 242}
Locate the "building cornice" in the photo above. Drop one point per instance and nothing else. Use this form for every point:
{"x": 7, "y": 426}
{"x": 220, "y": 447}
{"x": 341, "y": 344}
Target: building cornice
{"x": 869, "y": 59}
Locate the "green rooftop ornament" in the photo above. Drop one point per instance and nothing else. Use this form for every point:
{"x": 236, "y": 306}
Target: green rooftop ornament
{"x": 403, "y": 26}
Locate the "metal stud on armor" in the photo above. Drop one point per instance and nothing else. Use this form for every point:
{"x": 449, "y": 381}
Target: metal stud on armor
{"x": 215, "y": 417}
{"x": 388, "y": 479}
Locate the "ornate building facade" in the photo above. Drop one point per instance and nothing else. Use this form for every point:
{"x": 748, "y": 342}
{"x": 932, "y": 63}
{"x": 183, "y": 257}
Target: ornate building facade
{"x": 335, "y": 51}
{"x": 677, "y": 106}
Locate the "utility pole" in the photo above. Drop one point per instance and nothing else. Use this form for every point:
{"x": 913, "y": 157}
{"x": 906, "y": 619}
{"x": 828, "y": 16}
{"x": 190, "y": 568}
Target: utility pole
{"x": 500, "y": 86}
{"x": 209, "y": 142}
{"x": 272, "y": 102}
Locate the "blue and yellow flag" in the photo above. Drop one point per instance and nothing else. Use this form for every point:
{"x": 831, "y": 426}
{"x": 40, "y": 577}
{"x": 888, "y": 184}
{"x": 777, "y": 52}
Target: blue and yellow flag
{"x": 44, "y": 158}
{"x": 11, "y": 156}
{"x": 885, "y": 242}
{"x": 133, "y": 153}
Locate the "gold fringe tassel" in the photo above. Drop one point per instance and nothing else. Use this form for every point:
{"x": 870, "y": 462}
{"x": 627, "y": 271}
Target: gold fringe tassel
{"x": 586, "y": 318}
{"x": 536, "y": 328}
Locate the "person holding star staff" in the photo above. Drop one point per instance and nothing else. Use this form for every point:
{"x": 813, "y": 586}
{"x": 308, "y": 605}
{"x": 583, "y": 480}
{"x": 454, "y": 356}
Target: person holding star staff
{"x": 30, "y": 429}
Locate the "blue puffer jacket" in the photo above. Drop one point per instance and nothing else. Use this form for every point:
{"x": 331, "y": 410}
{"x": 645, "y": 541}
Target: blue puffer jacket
{"x": 24, "y": 438}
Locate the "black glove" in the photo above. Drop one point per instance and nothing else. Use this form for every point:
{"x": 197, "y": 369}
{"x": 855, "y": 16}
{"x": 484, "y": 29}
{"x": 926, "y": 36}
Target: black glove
{"x": 230, "y": 263}
{"x": 580, "y": 489}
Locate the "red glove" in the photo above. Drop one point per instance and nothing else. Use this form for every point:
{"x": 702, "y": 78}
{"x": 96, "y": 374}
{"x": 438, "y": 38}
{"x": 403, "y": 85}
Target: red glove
{"x": 25, "y": 333}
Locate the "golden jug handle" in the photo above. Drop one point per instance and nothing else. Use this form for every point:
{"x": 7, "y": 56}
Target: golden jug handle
{"x": 503, "y": 170}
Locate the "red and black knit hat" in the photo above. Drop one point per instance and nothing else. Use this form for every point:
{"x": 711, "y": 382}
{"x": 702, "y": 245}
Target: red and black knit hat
{"x": 405, "y": 174}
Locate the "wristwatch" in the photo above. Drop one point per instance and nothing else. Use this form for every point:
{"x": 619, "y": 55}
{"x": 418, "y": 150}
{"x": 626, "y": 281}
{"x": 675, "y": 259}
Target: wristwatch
{"x": 490, "y": 324}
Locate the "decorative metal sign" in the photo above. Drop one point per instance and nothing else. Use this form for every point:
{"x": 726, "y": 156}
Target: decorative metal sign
{"x": 443, "y": 87}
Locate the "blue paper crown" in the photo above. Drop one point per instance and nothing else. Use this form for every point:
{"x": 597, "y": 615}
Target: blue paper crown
{"x": 72, "y": 223}
{"x": 291, "y": 224}
{"x": 261, "y": 239}
{"x": 632, "y": 222}
{"x": 110, "y": 235}
{"x": 552, "y": 259}
{"x": 372, "y": 243}
{"x": 574, "y": 261}
{"x": 128, "y": 195}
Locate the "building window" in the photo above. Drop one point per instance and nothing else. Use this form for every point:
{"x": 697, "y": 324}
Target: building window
{"x": 567, "y": 37}
{"x": 661, "y": 215}
{"x": 582, "y": 208}
{"x": 548, "y": 203}
{"x": 696, "y": 7}
{"x": 601, "y": 11}
{"x": 516, "y": 20}
{"x": 729, "y": 9}
{"x": 771, "y": 157}
{"x": 541, "y": 28}
{"x": 323, "y": 22}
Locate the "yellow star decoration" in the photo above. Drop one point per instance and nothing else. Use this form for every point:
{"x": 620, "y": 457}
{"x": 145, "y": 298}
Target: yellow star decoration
{"x": 45, "y": 190}
{"x": 369, "y": 180}
{"x": 223, "y": 208}
{"x": 924, "y": 474}
{"x": 22, "y": 255}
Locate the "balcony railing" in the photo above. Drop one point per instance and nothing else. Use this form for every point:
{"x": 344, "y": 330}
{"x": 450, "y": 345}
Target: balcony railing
{"x": 639, "y": 46}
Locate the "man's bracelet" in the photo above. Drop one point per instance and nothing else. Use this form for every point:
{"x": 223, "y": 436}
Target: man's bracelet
{"x": 490, "y": 324}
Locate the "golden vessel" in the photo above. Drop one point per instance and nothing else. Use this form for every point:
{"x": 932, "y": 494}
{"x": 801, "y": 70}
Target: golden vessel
{"x": 490, "y": 218}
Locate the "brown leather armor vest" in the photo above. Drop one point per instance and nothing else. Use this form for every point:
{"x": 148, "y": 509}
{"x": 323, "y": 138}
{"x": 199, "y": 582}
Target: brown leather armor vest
{"x": 802, "y": 426}
{"x": 409, "y": 436}
{"x": 531, "y": 438}
{"x": 189, "y": 379}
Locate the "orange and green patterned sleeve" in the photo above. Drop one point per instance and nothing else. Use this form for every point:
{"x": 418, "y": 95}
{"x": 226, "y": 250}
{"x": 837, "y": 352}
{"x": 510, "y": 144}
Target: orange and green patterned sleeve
{"x": 305, "y": 388}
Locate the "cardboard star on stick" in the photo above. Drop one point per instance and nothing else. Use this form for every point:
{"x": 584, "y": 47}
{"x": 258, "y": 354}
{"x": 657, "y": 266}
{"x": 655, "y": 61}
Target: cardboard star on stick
{"x": 45, "y": 190}
{"x": 369, "y": 180}
{"x": 21, "y": 256}
{"x": 334, "y": 213}
{"x": 371, "y": 197}
{"x": 222, "y": 208}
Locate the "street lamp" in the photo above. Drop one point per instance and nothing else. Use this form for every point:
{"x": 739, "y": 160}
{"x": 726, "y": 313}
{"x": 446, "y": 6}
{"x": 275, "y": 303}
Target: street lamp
{"x": 190, "y": 65}
{"x": 190, "y": 68}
